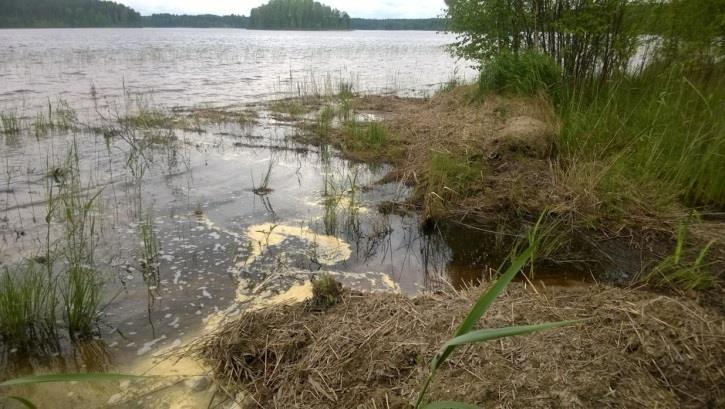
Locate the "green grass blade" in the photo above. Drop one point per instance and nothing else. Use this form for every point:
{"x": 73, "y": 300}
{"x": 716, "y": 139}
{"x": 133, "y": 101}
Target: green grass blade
{"x": 28, "y": 404}
{"x": 59, "y": 378}
{"x": 496, "y": 333}
{"x": 449, "y": 405}
{"x": 485, "y": 301}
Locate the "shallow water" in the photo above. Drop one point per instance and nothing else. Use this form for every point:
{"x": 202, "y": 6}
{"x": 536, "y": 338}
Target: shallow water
{"x": 222, "y": 247}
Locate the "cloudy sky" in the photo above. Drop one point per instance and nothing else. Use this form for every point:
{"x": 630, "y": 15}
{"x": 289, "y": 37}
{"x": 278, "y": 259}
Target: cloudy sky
{"x": 356, "y": 8}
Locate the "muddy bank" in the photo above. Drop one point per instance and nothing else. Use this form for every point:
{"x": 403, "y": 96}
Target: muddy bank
{"x": 640, "y": 349}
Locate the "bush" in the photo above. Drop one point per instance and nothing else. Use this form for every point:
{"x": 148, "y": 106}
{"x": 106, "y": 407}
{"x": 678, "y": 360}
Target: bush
{"x": 523, "y": 73}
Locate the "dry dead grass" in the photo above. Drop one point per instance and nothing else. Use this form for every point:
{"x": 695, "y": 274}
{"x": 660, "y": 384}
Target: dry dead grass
{"x": 510, "y": 139}
{"x": 640, "y": 350}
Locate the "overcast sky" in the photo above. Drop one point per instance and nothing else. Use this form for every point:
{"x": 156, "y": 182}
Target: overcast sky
{"x": 356, "y": 8}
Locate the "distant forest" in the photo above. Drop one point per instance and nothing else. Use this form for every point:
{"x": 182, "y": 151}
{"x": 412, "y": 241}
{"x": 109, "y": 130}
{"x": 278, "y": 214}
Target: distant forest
{"x": 67, "y": 13}
{"x": 433, "y": 24}
{"x": 200, "y": 21}
{"x": 297, "y": 15}
{"x": 275, "y": 15}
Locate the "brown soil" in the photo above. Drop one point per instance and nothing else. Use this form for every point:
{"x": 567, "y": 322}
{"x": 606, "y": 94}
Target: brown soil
{"x": 639, "y": 350}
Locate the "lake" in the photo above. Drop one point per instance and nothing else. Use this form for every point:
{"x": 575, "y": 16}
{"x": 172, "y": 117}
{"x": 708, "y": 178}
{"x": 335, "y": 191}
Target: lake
{"x": 215, "y": 66}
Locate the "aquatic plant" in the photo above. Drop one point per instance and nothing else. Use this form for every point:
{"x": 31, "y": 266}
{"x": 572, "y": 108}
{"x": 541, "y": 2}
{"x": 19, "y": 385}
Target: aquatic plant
{"x": 326, "y": 292}
{"x": 10, "y": 123}
{"x": 28, "y": 299}
{"x": 344, "y": 108}
{"x": 324, "y": 121}
{"x": 345, "y": 90}
{"x": 31, "y": 294}
{"x": 81, "y": 285}
{"x": 61, "y": 117}
{"x": 263, "y": 188}
{"x": 149, "y": 253}
{"x": 291, "y": 107}
{"x": 367, "y": 135}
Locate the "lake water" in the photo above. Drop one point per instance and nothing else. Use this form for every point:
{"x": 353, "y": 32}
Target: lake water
{"x": 214, "y": 66}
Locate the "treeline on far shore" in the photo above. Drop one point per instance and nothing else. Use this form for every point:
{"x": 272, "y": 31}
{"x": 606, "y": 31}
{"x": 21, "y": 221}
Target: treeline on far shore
{"x": 234, "y": 21}
{"x": 94, "y": 13}
{"x": 229, "y": 21}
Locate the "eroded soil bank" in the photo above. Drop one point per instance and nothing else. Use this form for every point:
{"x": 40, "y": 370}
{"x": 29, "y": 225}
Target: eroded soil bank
{"x": 640, "y": 349}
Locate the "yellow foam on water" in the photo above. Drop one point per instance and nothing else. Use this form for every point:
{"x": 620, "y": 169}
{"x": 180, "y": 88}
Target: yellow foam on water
{"x": 329, "y": 250}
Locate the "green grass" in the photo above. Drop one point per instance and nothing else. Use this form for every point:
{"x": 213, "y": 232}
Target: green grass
{"x": 81, "y": 296}
{"x": 372, "y": 135}
{"x": 664, "y": 130}
{"x": 81, "y": 285}
{"x": 681, "y": 270}
{"x": 523, "y": 73}
{"x": 32, "y": 296}
{"x": 449, "y": 176}
{"x": 326, "y": 292}
{"x": 324, "y": 121}
{"x": 344, "y": 108}
{"x": 449, "y": 85}
{"x": 149, "y": 119}
{"x": 466, "y": 334}
{"x": 28, "y": 299}
{"x": 59, "y": 117}
{"x": 264, "y": 188}
{"x": 292, "y": 107}
{"x": 345, "y": 90}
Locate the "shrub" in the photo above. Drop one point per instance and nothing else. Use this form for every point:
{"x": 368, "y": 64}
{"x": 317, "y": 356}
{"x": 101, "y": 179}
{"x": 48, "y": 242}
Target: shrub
{"x": 523, "y": 73}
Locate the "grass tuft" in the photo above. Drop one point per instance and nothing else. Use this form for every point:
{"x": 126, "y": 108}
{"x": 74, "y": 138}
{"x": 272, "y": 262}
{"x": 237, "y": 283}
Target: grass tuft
{"x": 525, "y": 73}
{"x": 28, "y": 300}
{"x": 10, "y": 123}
